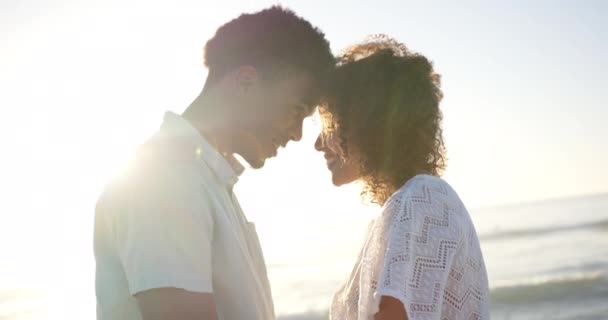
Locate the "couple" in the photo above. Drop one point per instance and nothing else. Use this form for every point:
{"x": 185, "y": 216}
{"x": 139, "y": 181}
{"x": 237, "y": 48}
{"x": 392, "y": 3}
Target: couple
{"x": 171, "y": 241}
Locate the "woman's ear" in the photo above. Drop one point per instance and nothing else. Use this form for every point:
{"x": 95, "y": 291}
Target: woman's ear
{"x": 246, "y": 77}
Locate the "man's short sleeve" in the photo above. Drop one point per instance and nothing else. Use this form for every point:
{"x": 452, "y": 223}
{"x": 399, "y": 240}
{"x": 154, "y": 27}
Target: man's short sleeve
{"x": 164, "y": 234}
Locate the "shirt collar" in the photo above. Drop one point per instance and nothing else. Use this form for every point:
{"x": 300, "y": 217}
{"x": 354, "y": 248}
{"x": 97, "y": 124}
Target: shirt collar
{"x": 226, "y": 168}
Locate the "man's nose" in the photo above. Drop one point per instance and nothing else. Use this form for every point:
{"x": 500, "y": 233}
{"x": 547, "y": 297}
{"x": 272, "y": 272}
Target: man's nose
{"x": 296, "y": 133}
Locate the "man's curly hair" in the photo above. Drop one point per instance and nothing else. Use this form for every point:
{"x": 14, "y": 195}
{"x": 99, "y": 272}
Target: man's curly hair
{"x": 270, "y": 39}
{"x": 383, "y": 103}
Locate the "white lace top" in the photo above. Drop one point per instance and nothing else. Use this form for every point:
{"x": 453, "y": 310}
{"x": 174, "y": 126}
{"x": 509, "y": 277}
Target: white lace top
{"x": 423, "y": 250}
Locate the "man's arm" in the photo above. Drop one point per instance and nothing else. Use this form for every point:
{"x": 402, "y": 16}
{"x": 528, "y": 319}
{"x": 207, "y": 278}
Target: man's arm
{"x": 164, "y": 242}
{"x": 176, "y": 304}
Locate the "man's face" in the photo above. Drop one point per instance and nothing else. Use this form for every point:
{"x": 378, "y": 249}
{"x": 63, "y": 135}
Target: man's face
{"x": 271, "y": 113}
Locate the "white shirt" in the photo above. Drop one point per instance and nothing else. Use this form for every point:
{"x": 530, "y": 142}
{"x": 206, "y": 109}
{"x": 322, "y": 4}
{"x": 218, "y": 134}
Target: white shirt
{"x": 424, "y": 251}
{"x": 173, "y": 221}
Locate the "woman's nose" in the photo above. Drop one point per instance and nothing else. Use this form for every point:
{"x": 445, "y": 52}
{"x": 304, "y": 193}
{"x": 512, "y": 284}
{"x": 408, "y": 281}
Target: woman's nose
{"x": 319, "y": 143}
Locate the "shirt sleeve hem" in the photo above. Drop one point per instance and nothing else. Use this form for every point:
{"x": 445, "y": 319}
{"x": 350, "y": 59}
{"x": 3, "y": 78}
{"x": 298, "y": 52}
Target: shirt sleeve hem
{"x": 389, "y": 293}
{"x": 192, "y": 284}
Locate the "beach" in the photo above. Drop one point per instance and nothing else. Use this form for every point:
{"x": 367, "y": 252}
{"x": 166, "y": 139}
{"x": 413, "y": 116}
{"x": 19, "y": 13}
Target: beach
{"x": 545, "y": 260}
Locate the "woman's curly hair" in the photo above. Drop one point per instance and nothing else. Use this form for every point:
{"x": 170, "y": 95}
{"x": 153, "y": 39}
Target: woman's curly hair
{"x": 383, "y": 103}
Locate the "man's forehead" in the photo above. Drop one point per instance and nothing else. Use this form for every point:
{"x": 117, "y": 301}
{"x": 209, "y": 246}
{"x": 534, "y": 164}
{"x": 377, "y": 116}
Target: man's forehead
{"x": 311, "y": 99}
{"x": 306, "y": 87}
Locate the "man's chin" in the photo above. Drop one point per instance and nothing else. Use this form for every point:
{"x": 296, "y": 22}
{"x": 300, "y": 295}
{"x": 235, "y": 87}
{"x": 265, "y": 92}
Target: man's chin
{"x": 256, "y": 163}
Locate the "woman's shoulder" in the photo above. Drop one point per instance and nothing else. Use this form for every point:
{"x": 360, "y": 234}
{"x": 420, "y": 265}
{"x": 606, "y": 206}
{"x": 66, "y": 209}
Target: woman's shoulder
{"x": 425, "y": 188}
{"x": 426, "y": 200}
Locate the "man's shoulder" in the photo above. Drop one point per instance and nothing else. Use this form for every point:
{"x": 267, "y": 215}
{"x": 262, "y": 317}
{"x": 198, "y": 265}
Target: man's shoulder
{"x": 158, "y": 167}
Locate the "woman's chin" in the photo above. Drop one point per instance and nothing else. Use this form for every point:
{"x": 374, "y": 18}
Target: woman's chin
{"x": 338, "y": 180}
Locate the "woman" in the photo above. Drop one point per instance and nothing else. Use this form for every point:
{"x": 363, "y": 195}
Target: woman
{"x": 382, "y": 126}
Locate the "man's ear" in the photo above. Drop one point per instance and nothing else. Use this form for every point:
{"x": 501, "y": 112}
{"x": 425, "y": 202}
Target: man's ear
{"x": 246, "y": 77}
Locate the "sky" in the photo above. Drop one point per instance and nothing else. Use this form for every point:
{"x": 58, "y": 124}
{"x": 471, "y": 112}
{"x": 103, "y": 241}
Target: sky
{"x": 82, "y": 83}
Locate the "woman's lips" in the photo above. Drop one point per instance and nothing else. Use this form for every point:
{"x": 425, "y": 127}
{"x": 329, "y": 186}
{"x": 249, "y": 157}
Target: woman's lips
{"x": 331, "y": 161}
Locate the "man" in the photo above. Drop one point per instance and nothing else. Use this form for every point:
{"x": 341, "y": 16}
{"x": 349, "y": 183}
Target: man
{"x": 171, "y": 241}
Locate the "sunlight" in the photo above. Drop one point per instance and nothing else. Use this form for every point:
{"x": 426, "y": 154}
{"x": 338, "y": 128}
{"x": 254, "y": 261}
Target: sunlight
{"x": 85, "y": 83}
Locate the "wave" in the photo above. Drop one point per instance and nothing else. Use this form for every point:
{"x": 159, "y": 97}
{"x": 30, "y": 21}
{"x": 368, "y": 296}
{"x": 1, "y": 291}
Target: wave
{"x": 533, "y": 293}
{"x": 580, "y": 286}
{"x": 601, "y": 225}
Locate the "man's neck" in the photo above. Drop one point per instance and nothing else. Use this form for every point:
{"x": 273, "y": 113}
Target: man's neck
{"x": 210, "y": 123}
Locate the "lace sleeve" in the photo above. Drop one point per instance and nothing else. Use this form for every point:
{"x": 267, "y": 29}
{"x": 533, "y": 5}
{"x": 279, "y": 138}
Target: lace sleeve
{"x": 416, "y": 255}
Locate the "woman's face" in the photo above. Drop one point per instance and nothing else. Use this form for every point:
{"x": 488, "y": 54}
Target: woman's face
{"x": 342, "y": 170}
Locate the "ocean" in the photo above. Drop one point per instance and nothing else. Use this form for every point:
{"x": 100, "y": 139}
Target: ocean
{"x": 545, "y": 260}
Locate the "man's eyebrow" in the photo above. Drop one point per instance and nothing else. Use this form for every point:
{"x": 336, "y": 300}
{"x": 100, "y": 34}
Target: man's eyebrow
{"x": 307, "y": 106}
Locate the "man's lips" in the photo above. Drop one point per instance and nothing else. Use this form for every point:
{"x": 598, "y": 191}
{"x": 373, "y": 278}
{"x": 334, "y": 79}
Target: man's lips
{"x": 279, "y": 143}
